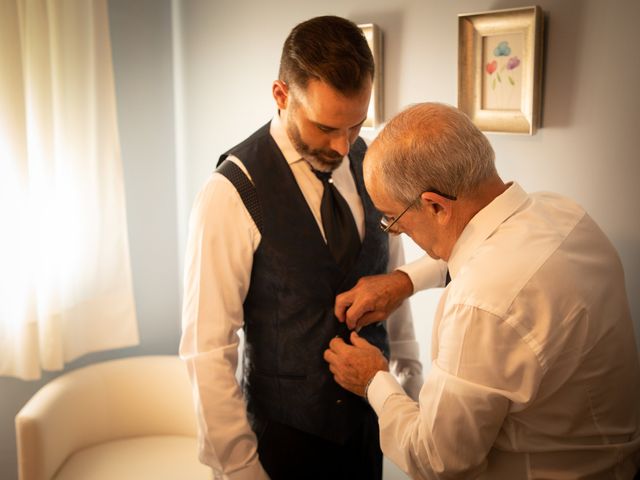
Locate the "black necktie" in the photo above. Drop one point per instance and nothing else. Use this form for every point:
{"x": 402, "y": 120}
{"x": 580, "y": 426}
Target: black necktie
{"x": 447, "y": 278}
{"x": 339, "y": 226}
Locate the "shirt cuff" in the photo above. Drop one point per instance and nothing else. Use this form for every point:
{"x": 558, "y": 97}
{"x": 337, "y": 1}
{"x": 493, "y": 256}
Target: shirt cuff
{"x": 253, "y": 471}
{"x": 382, "y": 387}
{"x": 425, "y": 273}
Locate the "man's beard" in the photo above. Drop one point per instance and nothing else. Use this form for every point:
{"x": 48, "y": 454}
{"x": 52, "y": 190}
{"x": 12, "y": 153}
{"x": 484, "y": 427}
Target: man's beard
{"x": 324, "y": 160}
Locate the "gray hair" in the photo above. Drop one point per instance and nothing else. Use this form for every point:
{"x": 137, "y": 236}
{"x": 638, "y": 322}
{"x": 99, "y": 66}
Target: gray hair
{"x": 432, "y": 146}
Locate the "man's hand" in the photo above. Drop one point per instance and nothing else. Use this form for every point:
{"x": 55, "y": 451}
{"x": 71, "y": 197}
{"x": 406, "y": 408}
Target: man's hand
{"x": 373, "y": 299}
{"x": 354, "y": 365}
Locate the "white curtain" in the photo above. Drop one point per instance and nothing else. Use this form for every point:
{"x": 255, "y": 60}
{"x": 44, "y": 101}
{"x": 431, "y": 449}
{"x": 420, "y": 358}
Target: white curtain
{"x": 65, "y": 276}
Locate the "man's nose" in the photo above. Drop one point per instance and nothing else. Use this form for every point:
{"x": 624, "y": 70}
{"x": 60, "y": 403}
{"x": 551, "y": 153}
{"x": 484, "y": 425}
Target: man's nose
{"x": 340, "y": 143}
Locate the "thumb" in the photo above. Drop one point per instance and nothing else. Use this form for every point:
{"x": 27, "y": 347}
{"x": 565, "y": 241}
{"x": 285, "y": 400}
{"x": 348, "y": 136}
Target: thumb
{"x": 358, "y": 341}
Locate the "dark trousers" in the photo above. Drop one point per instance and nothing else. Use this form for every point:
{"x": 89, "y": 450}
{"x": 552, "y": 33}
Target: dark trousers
{"x": 287, "y": 453}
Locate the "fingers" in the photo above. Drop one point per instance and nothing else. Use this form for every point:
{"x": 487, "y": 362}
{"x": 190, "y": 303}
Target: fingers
{"x": 372, "y": 299}
{"x": 340, "y": 353}
{"x": 352, "y": 319}
{"x": 343, "y": 302}
{"x": 367, "y": 319}
{"x": 352, "y": 365}
{"x": 344, "y": 378}
{"x": 339, "y": 369}
{"x": 330, "y": 357}
{"x": 338, "y": 346}
{"x": 351, "y": 305}
{"x": 358, "y": 341}
{"x": 356, "y": 312}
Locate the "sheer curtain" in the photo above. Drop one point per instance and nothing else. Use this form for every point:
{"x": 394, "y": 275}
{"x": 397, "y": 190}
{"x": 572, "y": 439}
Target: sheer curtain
{"x": 65, "y": 277}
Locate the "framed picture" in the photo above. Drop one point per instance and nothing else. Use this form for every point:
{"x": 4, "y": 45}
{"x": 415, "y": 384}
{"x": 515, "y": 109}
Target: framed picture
{"x": 500, "y": 69}
{"x": 374, "y": 38}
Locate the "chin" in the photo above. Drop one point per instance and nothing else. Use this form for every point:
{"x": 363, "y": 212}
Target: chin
{"x": 322, "y": 164}
{"x": 428, "y": 251}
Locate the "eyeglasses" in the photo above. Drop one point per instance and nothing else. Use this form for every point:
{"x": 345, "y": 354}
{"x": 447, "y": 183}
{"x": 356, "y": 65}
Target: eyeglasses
{"x": 387, "y": 223}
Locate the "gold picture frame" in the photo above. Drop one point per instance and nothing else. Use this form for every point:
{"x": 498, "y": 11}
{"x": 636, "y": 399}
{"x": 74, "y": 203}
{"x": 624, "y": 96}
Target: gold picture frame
{"x": 373, "y": 34}
{"x": 500, "y": 69}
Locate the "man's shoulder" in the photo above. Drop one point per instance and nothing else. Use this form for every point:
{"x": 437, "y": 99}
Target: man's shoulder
{"x": 508, "y": 260}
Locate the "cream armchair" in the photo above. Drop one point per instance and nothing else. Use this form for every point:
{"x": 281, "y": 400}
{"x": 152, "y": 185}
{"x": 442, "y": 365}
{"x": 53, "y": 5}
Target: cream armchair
{"x": 123, "y": 419}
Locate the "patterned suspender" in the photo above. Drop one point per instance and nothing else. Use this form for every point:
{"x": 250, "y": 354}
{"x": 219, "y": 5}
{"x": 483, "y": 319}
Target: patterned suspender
{"x": 245, "y": 188}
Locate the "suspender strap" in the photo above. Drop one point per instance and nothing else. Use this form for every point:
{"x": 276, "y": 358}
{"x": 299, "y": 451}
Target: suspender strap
{"x": 246, "y": 190}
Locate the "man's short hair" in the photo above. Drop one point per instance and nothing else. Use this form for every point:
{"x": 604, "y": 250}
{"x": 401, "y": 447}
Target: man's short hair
{"x": 328, "y": 48}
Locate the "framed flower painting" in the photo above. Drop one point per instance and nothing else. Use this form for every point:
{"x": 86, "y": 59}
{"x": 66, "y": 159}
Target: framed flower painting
{"x": 500, "y": 69}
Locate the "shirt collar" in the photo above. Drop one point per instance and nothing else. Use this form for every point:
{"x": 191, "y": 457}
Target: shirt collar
{"x": 483, "y": 224}
{"x": 279, "y": 134}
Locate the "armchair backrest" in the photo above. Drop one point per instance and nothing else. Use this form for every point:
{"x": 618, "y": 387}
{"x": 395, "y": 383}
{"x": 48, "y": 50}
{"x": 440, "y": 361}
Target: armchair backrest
{"x": 128, "y": 397}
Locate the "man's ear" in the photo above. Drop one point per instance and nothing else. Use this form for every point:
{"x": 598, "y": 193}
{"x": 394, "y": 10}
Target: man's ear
{"x": 437, "y": 205}
{"x": 280, "y": 91}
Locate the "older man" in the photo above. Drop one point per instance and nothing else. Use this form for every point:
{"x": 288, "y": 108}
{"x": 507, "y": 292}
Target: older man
{"x": 535, "y": 371}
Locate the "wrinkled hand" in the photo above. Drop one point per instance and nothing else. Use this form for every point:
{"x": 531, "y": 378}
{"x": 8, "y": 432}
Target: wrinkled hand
{"x": 373, "y": 299}
{"x": 354, "y": 365}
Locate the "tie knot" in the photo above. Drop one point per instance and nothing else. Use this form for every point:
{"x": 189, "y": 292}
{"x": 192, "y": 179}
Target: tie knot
{"x": 324, "y": 177}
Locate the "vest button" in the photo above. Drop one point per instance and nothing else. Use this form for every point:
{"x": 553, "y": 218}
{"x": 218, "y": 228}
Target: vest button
{"x": 338, "y": 402}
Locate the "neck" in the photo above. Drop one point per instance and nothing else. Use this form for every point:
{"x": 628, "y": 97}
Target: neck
{"x": 468, "y": 205}
{"x": 485, "y": 194}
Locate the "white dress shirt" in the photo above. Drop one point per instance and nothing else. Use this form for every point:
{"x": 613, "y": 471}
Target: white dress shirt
{"x": 219, "y": 256}
{"x": 535, "y": 370}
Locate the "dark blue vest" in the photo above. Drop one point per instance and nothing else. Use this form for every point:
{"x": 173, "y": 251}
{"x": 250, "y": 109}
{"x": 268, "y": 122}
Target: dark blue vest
{"x": 288, "y": 311}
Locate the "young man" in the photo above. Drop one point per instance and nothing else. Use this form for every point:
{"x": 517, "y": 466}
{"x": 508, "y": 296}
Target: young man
{"x": 283, "y": 226}
{"x": 535, "y": 370}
